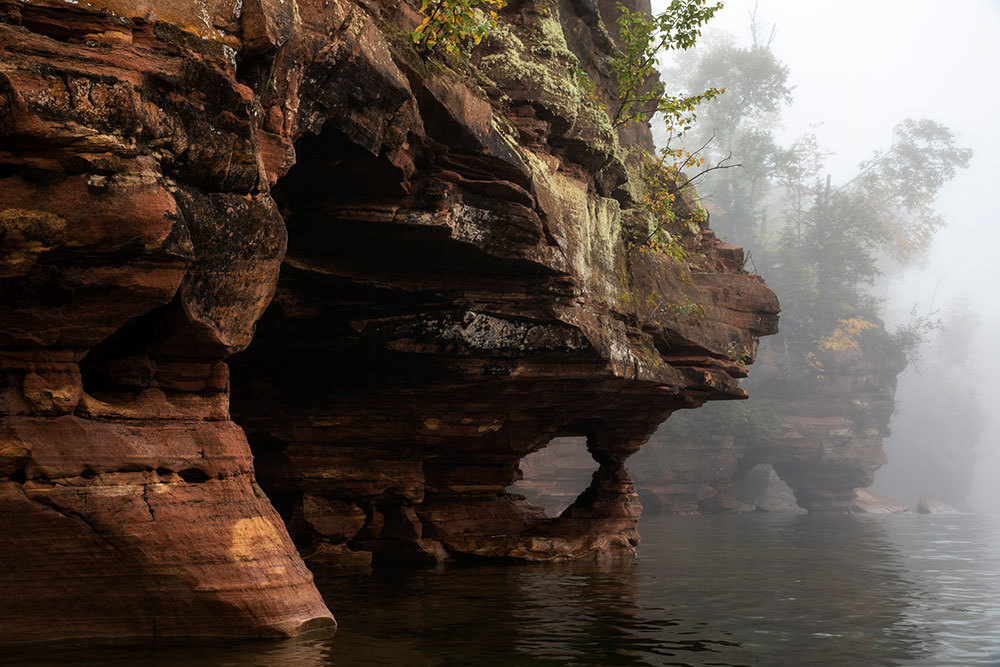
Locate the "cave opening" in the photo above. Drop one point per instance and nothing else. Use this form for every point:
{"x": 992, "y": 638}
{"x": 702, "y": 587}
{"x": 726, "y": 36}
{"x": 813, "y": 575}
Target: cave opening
{"x": 375, "y": 394}
{"x": 762, "y": 487}
{"x": 121, "y": 362}
{"x": 554, "y": 477}
{"x": 328, "y": 452}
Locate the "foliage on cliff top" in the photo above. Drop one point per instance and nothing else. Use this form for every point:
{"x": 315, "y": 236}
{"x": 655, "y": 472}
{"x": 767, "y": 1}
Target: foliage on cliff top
{"x": 455, "y": 23}
{"x": 847, "y": 334}
{"x": 819, "y": 244}
{"x": 674, "y": 209}
{"x": 643, "y": 38}
{"x": 660, "y": 189}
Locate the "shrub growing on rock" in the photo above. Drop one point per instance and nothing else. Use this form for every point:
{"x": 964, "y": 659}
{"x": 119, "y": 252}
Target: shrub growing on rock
{"x": 455, "y": 23}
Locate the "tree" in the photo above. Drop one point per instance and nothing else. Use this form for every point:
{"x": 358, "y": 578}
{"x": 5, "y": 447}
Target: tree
{"x": 738, "y": 124}
{"x": 821, "y": 245}
{"x": 643, "y": 38}
{"x": 903, "y": 182}
{"x": 836, "y": 234}
{"x": 455, "y": 23}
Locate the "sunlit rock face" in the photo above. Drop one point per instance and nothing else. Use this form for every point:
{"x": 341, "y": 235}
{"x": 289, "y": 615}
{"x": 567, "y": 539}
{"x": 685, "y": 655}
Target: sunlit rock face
{"x": 433, "y": 260}
{"x": 138, "y": 245}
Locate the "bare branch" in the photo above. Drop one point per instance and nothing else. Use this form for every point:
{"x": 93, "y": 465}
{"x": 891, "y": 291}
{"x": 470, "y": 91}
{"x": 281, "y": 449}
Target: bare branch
{"x": 649, "y": 316}
{"x": 691, "y": 181}
{"x": 701, "y": 174}
{"x": 705, "y": 145}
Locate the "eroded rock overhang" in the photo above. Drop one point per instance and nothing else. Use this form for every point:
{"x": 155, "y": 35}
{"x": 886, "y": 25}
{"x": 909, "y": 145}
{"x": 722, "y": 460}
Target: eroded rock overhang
{"x": 446, "y": 250}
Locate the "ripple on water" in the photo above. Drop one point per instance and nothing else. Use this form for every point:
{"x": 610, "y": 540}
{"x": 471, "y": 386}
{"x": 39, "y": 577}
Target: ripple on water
{"x": 741, "y": 590}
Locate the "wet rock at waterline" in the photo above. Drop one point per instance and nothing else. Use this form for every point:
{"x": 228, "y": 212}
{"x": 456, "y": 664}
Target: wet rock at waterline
{"x": 869, "y": 502}
{"x": 935, "y": 504}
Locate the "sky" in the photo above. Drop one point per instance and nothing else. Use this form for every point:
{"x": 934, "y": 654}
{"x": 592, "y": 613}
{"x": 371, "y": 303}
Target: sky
{"x": 859, "y": 67}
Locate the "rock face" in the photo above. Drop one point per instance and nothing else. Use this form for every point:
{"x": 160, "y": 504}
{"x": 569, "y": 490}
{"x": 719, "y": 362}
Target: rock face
{"x": 463, "y": 292}
{"x": 689, "y": 475}
{"x": 935, "y": 504}
{"x": 829, "y": 441}
{"x": 437, "y": 256}
{"x": 137, "y": 248}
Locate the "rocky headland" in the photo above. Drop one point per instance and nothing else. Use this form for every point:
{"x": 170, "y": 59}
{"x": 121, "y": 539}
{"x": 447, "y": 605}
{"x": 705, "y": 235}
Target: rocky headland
{"x": 820, "y": 431}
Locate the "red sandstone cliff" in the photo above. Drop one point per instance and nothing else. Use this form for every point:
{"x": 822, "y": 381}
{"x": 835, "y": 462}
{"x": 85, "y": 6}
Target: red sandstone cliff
{"x": 435, "y": 255}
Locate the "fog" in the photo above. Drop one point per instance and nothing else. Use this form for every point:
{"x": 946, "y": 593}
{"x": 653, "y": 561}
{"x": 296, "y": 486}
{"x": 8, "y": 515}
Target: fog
{"x": 858, "y": 68}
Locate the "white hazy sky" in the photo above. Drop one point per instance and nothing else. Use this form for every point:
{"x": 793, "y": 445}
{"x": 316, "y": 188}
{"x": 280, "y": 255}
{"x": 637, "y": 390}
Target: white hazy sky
{"x": 861, "y": 66}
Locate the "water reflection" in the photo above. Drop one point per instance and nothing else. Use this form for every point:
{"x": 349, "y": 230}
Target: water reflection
{"x": 793, "y": 589}
{"x": 523, "y": 615}
{"x": 730, "y": 590}
{"x": 299, "y": 652}
{"x": 705, "y": 590}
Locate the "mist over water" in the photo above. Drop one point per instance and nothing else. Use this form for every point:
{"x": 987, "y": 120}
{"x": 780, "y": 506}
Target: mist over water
{"x": 856, "y": 70}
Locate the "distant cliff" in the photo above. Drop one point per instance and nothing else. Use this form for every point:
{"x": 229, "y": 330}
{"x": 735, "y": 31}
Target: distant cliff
{"x": 821, "y": 428}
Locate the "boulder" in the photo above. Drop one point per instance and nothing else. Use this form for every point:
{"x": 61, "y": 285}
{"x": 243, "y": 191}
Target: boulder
{"x": 869, "y": 502}
{"x": 935, "y": 504}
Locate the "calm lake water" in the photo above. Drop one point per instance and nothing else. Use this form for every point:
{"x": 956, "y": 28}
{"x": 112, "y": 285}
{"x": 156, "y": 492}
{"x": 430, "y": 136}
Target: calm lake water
{"x": 730, "y": 590}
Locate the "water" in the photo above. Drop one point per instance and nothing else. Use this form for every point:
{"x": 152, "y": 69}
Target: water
{"x": 730, "y": 590}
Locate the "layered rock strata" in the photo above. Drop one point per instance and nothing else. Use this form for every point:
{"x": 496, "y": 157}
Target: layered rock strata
{"x": 466, "y": 293}
{"x": 446, "y": 247}
{"x": 139, "y": 245}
